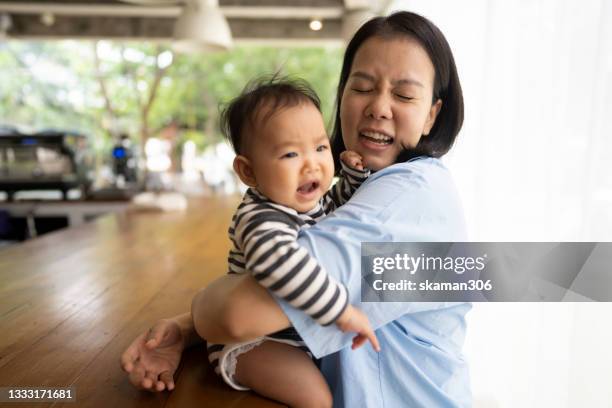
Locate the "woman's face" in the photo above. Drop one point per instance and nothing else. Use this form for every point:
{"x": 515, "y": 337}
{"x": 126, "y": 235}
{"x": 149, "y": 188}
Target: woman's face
{"x": 387, "y": 105}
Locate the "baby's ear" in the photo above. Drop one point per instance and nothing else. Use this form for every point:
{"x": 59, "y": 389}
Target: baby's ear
{"x": 244, "y": 170}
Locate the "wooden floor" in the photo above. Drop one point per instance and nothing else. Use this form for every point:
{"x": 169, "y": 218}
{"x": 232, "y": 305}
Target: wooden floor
{"x": 71, "y": 301}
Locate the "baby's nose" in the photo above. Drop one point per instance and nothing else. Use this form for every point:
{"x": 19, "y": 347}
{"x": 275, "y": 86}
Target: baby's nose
{"x": 310, "y": 166}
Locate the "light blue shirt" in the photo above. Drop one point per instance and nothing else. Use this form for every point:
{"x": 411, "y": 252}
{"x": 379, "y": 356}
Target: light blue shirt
{"x": 420, "y": 364}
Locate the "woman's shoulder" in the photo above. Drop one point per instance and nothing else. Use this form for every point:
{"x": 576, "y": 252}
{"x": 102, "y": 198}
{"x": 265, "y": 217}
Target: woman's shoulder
{"x": 415, "y": 200}
{"x": 405, "y": 202}
{"x": 428, "y": 173}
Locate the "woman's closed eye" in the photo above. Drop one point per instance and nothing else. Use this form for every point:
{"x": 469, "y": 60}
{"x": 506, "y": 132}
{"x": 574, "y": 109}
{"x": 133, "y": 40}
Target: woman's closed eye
{"x": 404, "y": 97}
{"x": 361, "y": 90}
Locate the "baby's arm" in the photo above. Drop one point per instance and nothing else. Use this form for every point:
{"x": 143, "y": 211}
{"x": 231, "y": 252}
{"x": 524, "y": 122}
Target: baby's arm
{"x": 355, "y": 321}
{"x": 286, "y": 269}
{"x": 352, "y": 175}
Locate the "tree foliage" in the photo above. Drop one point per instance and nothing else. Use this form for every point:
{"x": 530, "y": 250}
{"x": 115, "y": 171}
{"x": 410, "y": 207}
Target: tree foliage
{"x": 106, "y": 88}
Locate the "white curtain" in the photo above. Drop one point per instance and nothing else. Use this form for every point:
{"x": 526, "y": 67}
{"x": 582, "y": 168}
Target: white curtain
{"x": 533, "y": 162}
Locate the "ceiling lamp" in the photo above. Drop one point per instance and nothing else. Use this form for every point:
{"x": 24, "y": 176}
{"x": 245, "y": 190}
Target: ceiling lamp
{"x": 48, "y": 19}
{"x": 315, "y": 24}
{"x": 201, "y": 26}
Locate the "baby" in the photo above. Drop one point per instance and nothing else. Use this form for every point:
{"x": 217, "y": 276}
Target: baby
{"x": 284, "y": 156}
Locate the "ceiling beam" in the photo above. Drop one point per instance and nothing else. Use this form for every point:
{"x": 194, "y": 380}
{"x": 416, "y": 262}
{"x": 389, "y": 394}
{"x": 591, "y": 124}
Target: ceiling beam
{"x": 251, "y": 21}
{"x": 361, "y": 4}
{"x": 222, "y": 3}
{"x": 159, "y": 28}
{"x": 127, "y": 10}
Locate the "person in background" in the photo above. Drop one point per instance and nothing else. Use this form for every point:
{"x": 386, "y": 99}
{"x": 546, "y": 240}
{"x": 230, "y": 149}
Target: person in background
{"x": 124, "y": 162}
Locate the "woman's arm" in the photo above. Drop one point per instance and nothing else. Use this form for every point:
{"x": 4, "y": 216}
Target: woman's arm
{"x": 412, "y": 202}
{"x": 236, "y": 308}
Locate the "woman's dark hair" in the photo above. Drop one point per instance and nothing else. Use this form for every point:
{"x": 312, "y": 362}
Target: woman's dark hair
{"x": 446, "y": 81}
{"x": 270, "y": 92}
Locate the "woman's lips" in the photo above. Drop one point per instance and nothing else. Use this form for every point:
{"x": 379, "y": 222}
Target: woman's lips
{"x": 372, "y": 145}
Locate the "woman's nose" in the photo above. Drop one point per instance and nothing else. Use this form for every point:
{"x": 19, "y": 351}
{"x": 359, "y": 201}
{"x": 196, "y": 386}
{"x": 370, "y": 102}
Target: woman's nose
{"x": 379, "y": 107}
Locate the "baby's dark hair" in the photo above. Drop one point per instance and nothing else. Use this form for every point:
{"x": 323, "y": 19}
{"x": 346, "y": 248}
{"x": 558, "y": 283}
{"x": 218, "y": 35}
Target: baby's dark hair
{"x": 273, "y": 93}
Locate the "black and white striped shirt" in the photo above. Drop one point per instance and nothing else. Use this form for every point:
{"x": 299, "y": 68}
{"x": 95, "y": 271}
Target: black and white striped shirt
{"x": 264, "y": 236}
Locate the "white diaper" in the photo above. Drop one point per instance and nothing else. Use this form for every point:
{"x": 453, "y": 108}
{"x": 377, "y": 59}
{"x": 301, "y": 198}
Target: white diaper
{"x": 228, "y": 358}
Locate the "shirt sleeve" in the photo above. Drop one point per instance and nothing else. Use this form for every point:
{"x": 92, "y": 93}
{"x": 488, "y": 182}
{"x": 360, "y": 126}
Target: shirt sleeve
{"x": 393, "y": 206}
{"x": 279, "y": 264}
{"x": 349, "y": 181}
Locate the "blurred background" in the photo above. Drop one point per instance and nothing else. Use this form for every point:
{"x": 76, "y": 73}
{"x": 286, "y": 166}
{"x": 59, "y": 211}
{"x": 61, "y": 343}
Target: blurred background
{"x": 99, "y": 104}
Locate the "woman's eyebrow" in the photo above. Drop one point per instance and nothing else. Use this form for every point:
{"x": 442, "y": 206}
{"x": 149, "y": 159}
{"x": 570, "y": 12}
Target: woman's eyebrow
{"x": 403, "y": 81}
{"x": 363, "y": 75}
{"x": 407, "y": 81}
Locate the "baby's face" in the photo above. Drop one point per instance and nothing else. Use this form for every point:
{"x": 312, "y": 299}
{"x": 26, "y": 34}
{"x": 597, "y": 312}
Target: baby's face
{"x": 291, "y": 157}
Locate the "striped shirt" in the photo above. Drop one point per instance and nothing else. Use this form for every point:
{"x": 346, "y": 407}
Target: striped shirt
{"x": 264, "y": 239}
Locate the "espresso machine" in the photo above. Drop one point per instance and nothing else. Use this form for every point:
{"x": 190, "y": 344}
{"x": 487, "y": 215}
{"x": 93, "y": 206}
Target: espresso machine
{"x": 46, "y": 160}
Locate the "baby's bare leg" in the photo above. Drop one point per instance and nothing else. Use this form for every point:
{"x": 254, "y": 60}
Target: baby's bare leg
{"x": 283, "y": 373}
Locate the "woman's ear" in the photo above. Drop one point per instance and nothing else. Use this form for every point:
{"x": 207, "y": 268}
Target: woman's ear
{"x": 244, "y": 170}
{"x": 431, "y": 117}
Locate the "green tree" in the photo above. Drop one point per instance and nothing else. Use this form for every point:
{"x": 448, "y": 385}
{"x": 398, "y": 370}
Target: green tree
{"x": 106, "y": 88}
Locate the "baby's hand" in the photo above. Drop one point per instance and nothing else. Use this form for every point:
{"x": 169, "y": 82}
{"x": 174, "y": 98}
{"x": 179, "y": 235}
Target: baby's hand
{"x": 352, "y": 159}
{"x": 353, "y": 320}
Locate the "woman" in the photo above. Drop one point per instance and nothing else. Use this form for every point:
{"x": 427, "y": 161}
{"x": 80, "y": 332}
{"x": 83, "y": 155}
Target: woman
{"x": 400, "y": 106}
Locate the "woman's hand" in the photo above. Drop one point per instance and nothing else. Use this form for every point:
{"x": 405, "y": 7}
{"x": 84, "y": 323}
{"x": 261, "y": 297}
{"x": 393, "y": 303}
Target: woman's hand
{"x": 153, "y": 357}
{"x": 354, "y": 320}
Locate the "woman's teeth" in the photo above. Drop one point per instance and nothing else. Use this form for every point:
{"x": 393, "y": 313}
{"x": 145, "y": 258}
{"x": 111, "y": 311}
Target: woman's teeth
{"x": 377, "y": 137}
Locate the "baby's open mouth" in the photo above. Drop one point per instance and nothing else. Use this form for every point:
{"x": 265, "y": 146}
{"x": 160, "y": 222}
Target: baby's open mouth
{"x": 376, "y": 137}
{"x": 308, "y": 187}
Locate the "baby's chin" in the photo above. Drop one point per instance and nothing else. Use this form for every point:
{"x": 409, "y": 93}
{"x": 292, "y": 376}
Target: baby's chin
{"x": 305, "y": 207}
{"x": 297, "y": 205}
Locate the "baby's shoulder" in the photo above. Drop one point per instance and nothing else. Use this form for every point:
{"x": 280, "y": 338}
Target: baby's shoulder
{"x": 265, "y": 213}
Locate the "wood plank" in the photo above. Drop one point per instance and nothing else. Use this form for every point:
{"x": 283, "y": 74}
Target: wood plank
{"x": 41, "y": 302}
{"x": 68, "y": 318}
{"x": 125, "y": 280}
